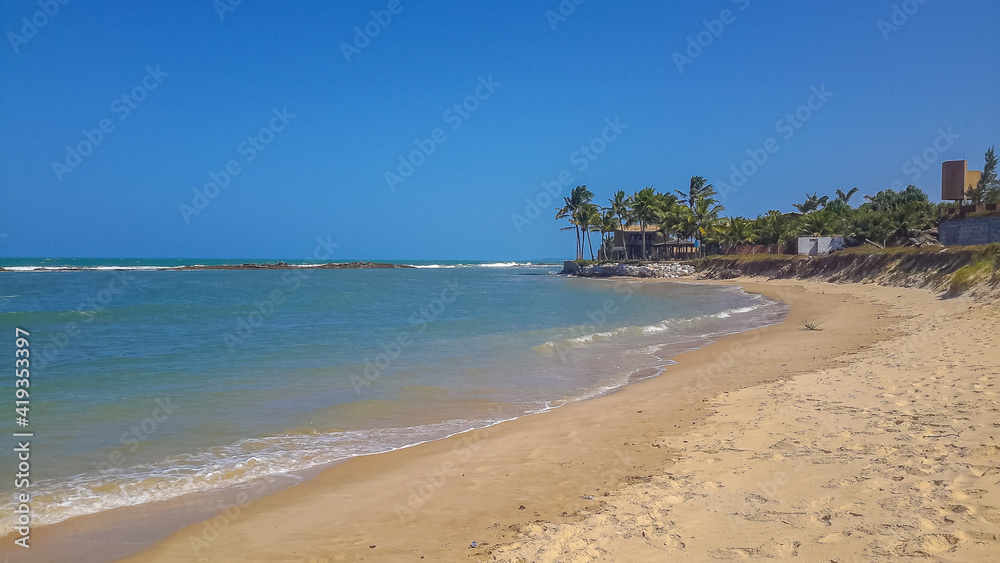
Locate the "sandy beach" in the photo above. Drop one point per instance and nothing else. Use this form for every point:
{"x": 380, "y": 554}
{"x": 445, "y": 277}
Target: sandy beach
{"x": 871, "y": 439}
{"x": 459, "y": 282}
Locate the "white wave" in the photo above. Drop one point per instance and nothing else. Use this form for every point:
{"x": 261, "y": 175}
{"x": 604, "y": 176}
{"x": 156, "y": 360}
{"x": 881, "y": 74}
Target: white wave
{"x": 731, "y": 312}
{"x": 303, "y": 266}
{"x": 661, "y": 326}
{"x": 606, "y": 335}
{"x": 238, "y": 464}
{"x": 81, "y": 268}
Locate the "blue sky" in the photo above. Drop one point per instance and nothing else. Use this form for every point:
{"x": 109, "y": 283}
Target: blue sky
{"x": 266, "y": 90}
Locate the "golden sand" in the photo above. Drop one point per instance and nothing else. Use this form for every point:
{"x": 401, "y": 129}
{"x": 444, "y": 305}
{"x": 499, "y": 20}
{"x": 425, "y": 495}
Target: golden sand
{"x": 871, "y": 439}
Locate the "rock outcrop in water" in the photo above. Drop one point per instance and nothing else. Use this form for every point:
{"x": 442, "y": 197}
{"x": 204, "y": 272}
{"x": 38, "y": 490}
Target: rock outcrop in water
{"x": 245, "y": 266}
{"x": 286, "y": 266}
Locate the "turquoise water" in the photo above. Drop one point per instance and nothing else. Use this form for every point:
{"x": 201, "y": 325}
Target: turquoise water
{"x": 22, "y": 264}
{"x": 147, "y": 385}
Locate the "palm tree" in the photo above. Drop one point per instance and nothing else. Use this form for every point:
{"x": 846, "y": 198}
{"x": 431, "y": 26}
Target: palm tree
{"x": 582, "y": 197}
{"x": 619, "y": 208}
{"x": 871, "y": 225}
{"x": 573, "y": 225}
{"x": 667, "y": 219}
{"x": 773, "y": 228}
{"x": 737, "y": 231}
{"x": 609, "y": 222}
{"x": 579, "y": 197}
{"x": 846, "y": 197}
{"x": 644, "y": 204}
{"x": 910, "y": 216}
{"x": 681, "y": 221}
{"x": 705, "y": 212}
{"x": 667, "y": 201}
{"x": 665, "y": 214}
{"x": 588, "y": 216}
{"x": 812, "y": 203}
{"x": 699, "y": 188}
{"x": 676, "y": 220}
{"x": 822, "y": 222}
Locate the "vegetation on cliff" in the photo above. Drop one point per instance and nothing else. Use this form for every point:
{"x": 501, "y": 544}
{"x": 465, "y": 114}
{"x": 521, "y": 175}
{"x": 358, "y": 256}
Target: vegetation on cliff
{"x": 953, "y": 270}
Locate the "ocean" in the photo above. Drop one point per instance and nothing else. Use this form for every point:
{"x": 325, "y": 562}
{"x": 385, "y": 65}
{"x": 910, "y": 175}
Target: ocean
{"x": 149, "y": 385}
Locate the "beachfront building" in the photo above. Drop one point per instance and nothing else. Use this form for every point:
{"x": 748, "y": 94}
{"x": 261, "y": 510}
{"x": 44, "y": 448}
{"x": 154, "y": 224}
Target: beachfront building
{"x": 959, "y": 229}
{"x": 957, "y": 179}
{"x": 813, "y": 246}
{"x": 627, "y": 245}
{"x": 628, "y": 241}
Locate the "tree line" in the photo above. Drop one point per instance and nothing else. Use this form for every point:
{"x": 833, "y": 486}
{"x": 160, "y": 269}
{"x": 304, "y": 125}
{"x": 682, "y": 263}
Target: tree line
{"x": 885, "y": 219}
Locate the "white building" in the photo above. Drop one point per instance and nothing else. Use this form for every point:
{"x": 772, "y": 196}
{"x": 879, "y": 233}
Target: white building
{"x": 820, "y": 245}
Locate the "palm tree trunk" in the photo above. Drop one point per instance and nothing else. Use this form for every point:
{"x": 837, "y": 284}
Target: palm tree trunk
{"x": 642, "y": 227}
{"x": 623, "y": 239}
{"x": 621, "y": 227}
{"x": 591, "y": 244}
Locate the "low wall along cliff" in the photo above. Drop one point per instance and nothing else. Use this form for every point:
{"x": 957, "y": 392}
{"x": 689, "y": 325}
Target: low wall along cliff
{"x": 969, "y": 230}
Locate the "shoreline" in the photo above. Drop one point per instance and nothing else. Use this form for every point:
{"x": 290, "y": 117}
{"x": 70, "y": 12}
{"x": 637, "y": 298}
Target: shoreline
{"x": 436, "y": 498}
{"x": 142, "y": 525}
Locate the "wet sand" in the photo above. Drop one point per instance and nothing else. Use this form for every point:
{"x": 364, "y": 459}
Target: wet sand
{"x": 872, "y": 438}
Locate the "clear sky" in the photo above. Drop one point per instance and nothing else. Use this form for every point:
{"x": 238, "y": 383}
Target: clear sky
{"x": 309, "y": 115}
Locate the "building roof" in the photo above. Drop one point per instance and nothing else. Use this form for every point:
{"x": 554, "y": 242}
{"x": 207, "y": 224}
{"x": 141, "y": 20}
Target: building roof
{"x": 637, "y": 228}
